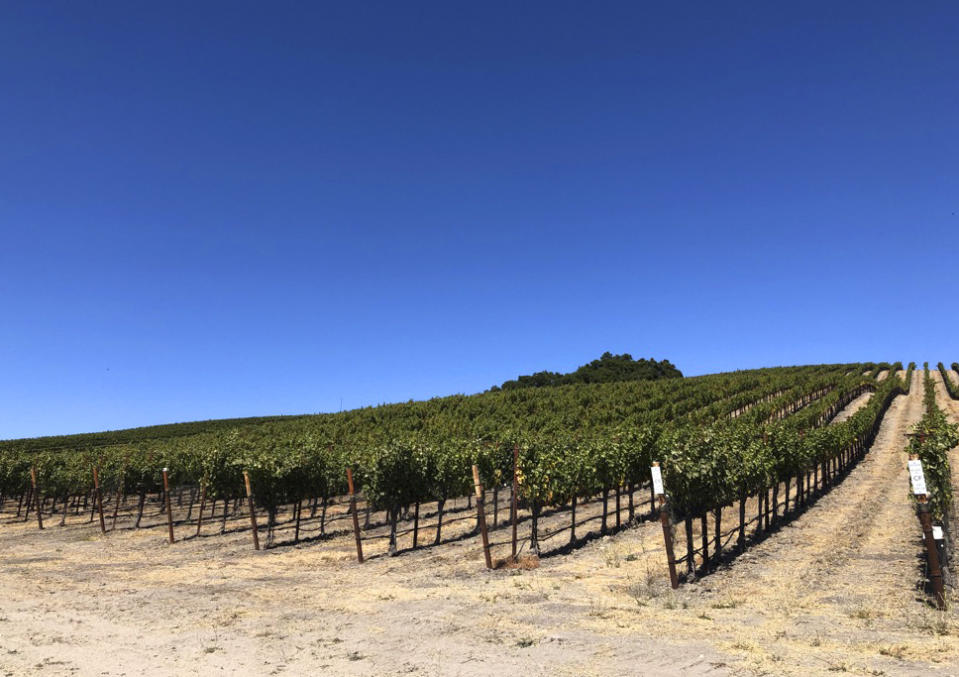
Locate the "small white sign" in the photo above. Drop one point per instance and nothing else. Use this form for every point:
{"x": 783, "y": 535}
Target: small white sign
{"x": 937, "y": 532}
{"x": 657, "y": 480}
{"x": 917, "y": 478}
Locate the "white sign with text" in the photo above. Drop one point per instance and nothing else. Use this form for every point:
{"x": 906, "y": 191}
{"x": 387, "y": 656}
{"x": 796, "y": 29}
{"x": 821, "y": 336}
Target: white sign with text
{"x": 917, "y": 478}
{"x": 657, "y": 480}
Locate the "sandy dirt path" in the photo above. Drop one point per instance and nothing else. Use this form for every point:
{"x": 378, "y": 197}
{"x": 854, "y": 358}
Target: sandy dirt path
{"x": 852, "y": 408}
{"x": 833, "y": 591}
{"x": 948, "y": 404}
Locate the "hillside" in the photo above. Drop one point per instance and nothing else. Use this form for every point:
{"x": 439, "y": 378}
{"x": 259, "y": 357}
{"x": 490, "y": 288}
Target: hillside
{"x": 586, "y": 406}
{"x": 607, "y": 369}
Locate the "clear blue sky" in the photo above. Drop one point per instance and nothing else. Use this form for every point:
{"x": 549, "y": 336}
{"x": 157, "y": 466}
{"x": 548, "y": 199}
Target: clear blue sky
{"x": 232, "y": 209}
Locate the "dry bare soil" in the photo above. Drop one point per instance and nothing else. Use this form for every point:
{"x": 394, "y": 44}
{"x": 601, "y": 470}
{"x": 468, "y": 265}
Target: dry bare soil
{"x": 834, "y": 591}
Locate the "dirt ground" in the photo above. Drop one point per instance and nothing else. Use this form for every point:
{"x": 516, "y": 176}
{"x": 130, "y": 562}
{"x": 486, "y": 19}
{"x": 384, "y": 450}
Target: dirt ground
{"x": 833, "y": 591}
{"x": 852, "y": 408}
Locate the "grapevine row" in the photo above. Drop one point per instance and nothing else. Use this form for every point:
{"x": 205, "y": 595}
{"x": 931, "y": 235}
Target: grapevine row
{"x": 557, "y": 466}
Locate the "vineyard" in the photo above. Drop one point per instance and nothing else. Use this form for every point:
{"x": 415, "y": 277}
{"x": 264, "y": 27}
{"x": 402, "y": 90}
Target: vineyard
{"x": 570, "y": 455}
{"x": 481, "y": 500}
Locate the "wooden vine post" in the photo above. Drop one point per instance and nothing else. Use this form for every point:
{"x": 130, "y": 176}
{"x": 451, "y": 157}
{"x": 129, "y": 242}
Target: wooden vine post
{"x": 36, "y": 494}
{"x": 416, "y": 523}
{"x": 918, "y": 481}
{"x": 513, "y": 500}
{"x": 657, "y": 477}
{"x": 98, "y": 497}
{"x": 199, "y": 517}
{"x": 116, "y": 504}
{"x": 169, "y": 507}
{"x": 481, "y": 516}
{"x": 356, "y": 518}
{"x": 298, "y": 509}
{"x": 249, "y": 498}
